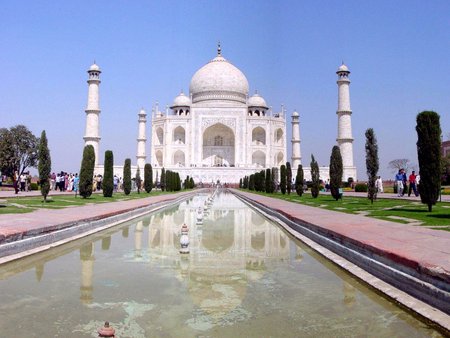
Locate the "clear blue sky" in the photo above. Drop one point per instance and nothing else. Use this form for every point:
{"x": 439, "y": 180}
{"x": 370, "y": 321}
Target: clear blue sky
{"x": 398, "y": 53}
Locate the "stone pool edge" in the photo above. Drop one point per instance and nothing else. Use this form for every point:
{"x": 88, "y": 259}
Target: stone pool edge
{"x": 349, "y": 260}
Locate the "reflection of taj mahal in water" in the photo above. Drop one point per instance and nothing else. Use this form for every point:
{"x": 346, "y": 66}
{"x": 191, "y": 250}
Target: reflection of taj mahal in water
{"x": 233, "y": 243}
{"x": 219, "y": 132}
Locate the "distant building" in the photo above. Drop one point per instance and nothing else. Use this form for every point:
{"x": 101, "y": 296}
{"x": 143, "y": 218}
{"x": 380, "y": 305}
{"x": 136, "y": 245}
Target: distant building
{"x": 445, "y": 148}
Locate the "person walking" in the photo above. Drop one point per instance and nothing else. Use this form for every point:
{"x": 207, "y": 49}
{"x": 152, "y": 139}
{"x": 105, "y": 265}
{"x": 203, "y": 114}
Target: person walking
{"x": 379, "y": 185}
{"x": 413, "y": 184}
{"x": 399, "y": 182}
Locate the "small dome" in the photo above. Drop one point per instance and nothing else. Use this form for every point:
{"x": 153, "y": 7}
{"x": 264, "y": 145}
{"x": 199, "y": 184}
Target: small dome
{"x": 94, "y": 67}
{"x": 142, "y": 112}
{"x": 295, "y": 113}
{"x": 257, "y": 101}
{"x": 219, "y": 80}
{"x": 343, "y": 68}
{"x": 181, "y": 101}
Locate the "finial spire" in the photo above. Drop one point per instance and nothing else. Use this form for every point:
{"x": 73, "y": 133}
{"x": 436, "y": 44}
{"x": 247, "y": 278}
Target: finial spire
{"x": 219, "y": 49}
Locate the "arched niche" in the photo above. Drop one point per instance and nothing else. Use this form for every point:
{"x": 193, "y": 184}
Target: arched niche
{"x": 179, "y": 158}
{"x": 218, "y": 146}
{"x": 279, "y": 136}
{"x": 159, "y": 136}
{"x": 259, "y": 159}
{"x": 258, "y": 136}
{"x": 179, "y": 135}
{"x": 159, "y": 158}
{"x": 279, "y": 159}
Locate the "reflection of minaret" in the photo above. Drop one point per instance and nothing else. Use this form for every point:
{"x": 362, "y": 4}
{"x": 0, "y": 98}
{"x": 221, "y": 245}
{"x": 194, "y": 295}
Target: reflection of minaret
{"x": 87, "y": 269}
{"x": 39, "y": 271}
{"x": 349, "y": 294}
{"x": 138, "y": 239}
{"x": 141, "y": 157}
{"x": 296, "y": 153}
{"x": 125, "y": 232}
{"x": 344, "y": 112}
{"x": 92, "y": 136}
{"x": 106, "y": 243}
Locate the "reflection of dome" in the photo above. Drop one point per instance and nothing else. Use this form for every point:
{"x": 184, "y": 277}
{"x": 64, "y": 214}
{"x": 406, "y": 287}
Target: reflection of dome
{"x": 218, "y": 235}
{"x": 257, "y": 101}
{"x": 219, "y": 80}
{"x": 181, "y": 101}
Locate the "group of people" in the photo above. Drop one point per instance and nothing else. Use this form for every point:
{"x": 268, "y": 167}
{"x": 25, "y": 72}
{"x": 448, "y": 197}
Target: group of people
{"x": 22, "y": 182}
{"x": 64, "y": 181}
{"x": 401, "y": 182}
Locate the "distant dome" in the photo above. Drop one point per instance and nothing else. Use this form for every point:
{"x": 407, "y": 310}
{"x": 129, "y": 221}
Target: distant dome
{"x": 343, "y": 68}
{"x": 295, "y": 113}
{"x": 219, "y": 80}
{"x": 94, "y": 67}
{"x": 181, "y": 101}
{"x": 257, "y": 101}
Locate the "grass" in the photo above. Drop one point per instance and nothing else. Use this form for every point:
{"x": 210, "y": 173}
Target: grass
{"x": 17, "y": 205}
{"x": 395, "y": 210}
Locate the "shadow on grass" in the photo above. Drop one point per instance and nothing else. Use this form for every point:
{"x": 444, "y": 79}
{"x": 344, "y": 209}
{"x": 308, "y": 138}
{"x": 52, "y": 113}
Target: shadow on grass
{"x": 446, "y": 216}
{"x": 410, "y": 210}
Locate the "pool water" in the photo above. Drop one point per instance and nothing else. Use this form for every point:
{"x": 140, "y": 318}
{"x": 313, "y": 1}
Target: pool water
{"x": 244, "y": 277}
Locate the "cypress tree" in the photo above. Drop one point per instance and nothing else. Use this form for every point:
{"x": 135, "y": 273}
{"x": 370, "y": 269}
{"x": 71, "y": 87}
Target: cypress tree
{"x": 87, "y": 171}
{"x": 315, "y": 177}
{"x": 429, "y": 155}
{"x": 178, "y": 182}
{"x": 148, "y": 177}
{"x": 251, "y": 182}
{"x": 269, "y": 185}
{"x": 127, "y": 177}
{"x": 191, "y": 183}
{"x": 108, "y": 175}
{"x": 299, "y": 180}
{"x": 240, "y": 183}
{"x": 288, "y": 177}
{"x": 274, "y": 179}
{"x": 283, "y": 179}
{"x": 163, "y": 179}
{"x": 44, "y": 165}
{"x": 336, "y": 171}
{"x": 245, "y": 183}
{"x": 372, "y": 163}
{"x": 138, "y": 180}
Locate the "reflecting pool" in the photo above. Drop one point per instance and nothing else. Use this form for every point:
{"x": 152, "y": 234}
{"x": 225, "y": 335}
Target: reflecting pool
{"x": 243, "y": 277}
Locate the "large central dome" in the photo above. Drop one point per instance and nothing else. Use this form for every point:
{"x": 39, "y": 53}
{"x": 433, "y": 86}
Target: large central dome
{"x": 219, "y": 80}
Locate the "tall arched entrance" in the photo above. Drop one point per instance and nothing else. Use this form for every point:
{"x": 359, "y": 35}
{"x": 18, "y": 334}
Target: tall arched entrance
{"x": 218, "y": 146}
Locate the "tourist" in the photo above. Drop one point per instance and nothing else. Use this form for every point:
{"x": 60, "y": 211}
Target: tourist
{"x": 399, "y": 182}
{"x": 16, "y": 181}
{"x": 23, "y": 181}
{"x": 413, "y": 184}
{"x": 379, "y": 185}
{"x": 76, "y": 181}
{"x": 116, "y": 183}
{"x": 405, "y": 182}
{"x": 53, "y": 181}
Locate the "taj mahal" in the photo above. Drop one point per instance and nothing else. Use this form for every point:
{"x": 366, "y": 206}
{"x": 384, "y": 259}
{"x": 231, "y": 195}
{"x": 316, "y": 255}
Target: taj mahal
{"x": 218, "y": 132}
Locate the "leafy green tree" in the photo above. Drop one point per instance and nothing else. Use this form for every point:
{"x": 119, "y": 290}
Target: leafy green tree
{"x": 138, "y": 180}
{"x": 283, "y": 179}
{"x": 44, "y": 165}
{"x": 336, "y": 171}
{"x": 315, "y": 177}
{"x": 127, "y": 176}
{"x": 148, "y": 177}
{"x": 18, "y": 150}
{"x": 108, "y": 175}
{"x": 372, "y": 163}
{"x": 163, "y": 179}
{"x": 87, "y": 171}
{"x": 429, "y": 154}
{"x": 288, "y": 178}
{"x": 299, "y": 180}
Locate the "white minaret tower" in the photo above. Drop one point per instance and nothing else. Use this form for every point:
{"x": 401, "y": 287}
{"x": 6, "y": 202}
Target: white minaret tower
{"x": 141, "y": 157}
{"x": 296, "y": 158}
{"x": 93, "y": 111}
{"x": 344, "y": 113}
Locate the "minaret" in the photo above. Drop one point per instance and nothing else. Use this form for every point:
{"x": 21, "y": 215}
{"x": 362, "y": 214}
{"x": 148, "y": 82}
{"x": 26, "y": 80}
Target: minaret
{"x": 344, "y": 113}
{"x": 296, "y": 158}
{"x": 93, "y": 111}
{"x": 141, "y": 157}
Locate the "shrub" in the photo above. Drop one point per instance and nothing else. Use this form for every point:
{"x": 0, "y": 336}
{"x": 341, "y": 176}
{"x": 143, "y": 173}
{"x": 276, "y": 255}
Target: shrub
{"x": 361, "y": 187}
{"x": 148, "y": 177}
{"x": 108, "y": 175}
{"x": 34, "y": 186}
{"x": 87, "y": 171}
{"x": 127, "y": 177}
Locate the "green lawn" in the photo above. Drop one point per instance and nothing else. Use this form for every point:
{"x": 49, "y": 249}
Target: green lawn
{"x": 396, "y": 210}
{"x": 18, "y": 204}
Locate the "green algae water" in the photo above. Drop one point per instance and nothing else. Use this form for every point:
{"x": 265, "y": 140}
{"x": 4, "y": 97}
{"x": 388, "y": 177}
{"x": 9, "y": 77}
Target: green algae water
{"x": 244, "y": 277}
